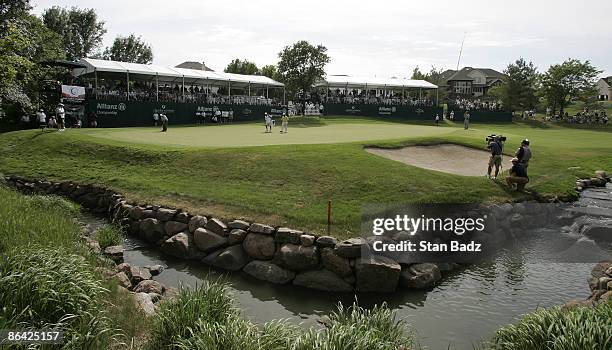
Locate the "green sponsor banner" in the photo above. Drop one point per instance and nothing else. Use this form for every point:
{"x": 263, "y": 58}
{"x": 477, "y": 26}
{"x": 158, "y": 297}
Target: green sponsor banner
{"x": 383, "y": 111}
{"x": 140, "y": 113}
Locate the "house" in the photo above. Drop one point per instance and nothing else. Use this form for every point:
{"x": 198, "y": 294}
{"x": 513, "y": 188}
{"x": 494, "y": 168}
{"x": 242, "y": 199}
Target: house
{"x": 470, "y": 82}
{"x": 604, "y": 89}
{"x": 194, "y": 65}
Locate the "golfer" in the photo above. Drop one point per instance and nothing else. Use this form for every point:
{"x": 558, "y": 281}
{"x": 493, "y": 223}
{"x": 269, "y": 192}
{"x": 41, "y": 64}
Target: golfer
{"x": 466, "y": 120}
{"x": 164, "y": 122}
{"x": 155, "y": 118}
{"x": 42, "y": 119}
{"x": 285, "y": 123}
{"x": 60, "y": 113}
{"x": 268, "y": 120}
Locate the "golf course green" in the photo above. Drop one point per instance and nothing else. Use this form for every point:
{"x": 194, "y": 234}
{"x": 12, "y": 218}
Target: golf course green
{"x": 238, "y": 171}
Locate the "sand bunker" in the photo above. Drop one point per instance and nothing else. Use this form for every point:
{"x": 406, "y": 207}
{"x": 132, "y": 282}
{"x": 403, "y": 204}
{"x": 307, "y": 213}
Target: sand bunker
{"x": 447, "y": 158}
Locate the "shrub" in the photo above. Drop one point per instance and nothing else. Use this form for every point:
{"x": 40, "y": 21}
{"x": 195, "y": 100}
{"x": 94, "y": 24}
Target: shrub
{"x": 108, "y": 235}
{"x": 558, "y": 329}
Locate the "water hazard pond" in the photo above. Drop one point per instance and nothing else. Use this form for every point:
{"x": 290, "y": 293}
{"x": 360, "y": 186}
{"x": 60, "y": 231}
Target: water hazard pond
{"x": 464, "y": 309}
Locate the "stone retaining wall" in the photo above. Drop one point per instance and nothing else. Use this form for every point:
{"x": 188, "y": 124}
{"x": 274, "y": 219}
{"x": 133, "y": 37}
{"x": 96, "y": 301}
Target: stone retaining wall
{"x": 278, "y": 255}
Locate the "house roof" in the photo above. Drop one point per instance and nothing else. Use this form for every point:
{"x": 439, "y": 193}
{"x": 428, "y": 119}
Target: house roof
{"x": 194, "y": 65}
{"x": 463, "y": 74}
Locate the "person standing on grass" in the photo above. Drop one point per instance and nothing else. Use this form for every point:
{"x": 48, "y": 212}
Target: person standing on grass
{"x": 437, "y": 120}
{"x": 466, "y": 120}
{"x": 518, "y": 176}
{"x": 496, "y": 147}
{"x": 60, "y": 114}
{"x": 164, "y": 122}
{"x": 452, "y": 115}
{"x": 155, "y": 118}
{"x": 42, "y": 119}
{"x": 523, "y": 154}
{"x": 268, "y": 121}
{"x": 285, "y": 123}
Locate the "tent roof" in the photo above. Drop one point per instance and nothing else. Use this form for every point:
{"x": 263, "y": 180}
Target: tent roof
{"x": 340, "y": 81}
{"x": 166, "y": 74}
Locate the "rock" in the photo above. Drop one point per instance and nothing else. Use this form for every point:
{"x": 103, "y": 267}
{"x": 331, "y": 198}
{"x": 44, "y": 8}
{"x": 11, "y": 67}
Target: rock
{"x": 335, "y": 263}
{"x": 593, "y": 283}
{"x": 350, "y": 248}
{"x": 326, "y": 241}
{"x": 139, "y": 274}
{"x": 324, "y": 280}
{"x": 155, "y": 269}
{"x": 601, "y": 174}
{"x": 94, "y": 246}
{"x": 297, "y": 257}
{"x": 151, "y": 230}
{"x": 183, "y": 217}
{"x": 377, "y": 274}
{"x": 603, "y": 283}
{"x": 217, "y": 226}
{"x": 144, "y": 303}
{"x": 149, "y": 286}
{"x": 164, "y": 214}
{"x": 576, "y": 304}
{"x": 259, "y": 246}
{"x": 267, "y": 271}
{"x": 609, "y": 271}
{"x": 420, "y": 276}
{"x": 261, "y": 228}
{"x": 123, "y": 280}
{"x": 155, "y": 297}
{"x": 179, "y": 245}
{"x": 124, "y": 267}
{"x": 115, "y": 252}
{"x": 174, "y": 227}
{"x": 236, "y": 236}
{"x": 307, "y": 240}
{"x": 232, "y": 258}
{"x": 170, "y": 293}
{"x": 238, "y": 224}
{"x": 136, "y": 213}
{"x": 287, "y": 235}
{"x": 208, "y": 241}
{"x": 197, "y": 222}
{"x": 447, "y": 266}
{"x": 600, "y": 269}
{"x": 607, "y": 296}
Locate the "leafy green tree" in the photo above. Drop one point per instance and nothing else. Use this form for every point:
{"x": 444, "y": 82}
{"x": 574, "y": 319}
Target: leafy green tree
{"x": 26, "y": 41}
{"x": 80, "y": 30}
{"x": 129, "y": 49}
{"x": 520, "y": 86}
{"x": 566, "y": 81}
{"x": 417, "y": 74}
{"x": 10, "y": 10}
{"x": 301, "y": 65}
{"x": 242, "y": 67}
{"x": 270, "y": 71}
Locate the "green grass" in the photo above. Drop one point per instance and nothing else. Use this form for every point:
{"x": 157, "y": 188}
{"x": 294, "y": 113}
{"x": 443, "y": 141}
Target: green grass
{"x": 558, "y": 329}
{"x": 288, "y": 179}
{"x": 48, "y": 278}
{"x": 206, "y": 318}
{"x": 108, "y": 235}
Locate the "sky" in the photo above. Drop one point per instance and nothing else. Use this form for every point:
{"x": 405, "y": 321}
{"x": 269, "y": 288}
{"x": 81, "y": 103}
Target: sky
{"x": 364, "y": 38}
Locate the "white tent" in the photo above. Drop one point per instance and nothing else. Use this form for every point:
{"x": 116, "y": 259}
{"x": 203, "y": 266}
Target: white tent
{"x": 345, "y": 81}
{"x": 173, "y": 74}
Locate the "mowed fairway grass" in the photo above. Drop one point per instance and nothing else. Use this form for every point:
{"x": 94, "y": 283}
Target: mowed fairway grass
{"x": 238, "y": 171}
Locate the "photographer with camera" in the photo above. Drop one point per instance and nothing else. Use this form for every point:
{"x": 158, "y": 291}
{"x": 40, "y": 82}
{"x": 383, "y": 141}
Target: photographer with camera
{"x": 496, "y": 146}
{"x": 523, "y": 154}
{"x": 518, "y": 175}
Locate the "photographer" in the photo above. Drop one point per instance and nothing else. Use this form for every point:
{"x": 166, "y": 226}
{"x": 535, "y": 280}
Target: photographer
{"x": 518, "y": 175}
{"x": 523, "y": 154}
{"x": 496, "y": 147}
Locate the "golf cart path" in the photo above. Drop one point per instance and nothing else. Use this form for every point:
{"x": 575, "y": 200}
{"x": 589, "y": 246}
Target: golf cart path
{"x": 447, "y": 158}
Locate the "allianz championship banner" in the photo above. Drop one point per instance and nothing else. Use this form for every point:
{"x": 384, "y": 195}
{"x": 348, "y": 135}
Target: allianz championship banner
{"x": 137, "y": 113}
{"x": 73, "y": 93}
{"x": 391, "y": 112}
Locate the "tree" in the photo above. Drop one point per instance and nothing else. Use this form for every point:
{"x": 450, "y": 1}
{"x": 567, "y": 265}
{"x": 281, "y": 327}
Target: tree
{"x": 270, "y": 71}
{"x": 568, "y": 80}
{"x": 26, "y": 41}
{"x": 301, "y": 65}
{"x": 80, "y": 29}
{"x": 417, "y": 74}
{"x": 242, "y": 67}
{"x": 129, "y": 49}
{"x": 519, "y": 88}
{"x": 10, "y": 10}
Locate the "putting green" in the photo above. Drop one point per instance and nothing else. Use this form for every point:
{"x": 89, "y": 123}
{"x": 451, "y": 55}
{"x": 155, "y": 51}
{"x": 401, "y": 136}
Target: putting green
{"x": 253, "y": 134}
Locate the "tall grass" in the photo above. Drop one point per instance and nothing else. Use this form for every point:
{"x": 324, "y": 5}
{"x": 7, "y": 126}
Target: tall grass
{"x": 206, "y": 318}
{"x": 108, "y": 235}
{"x": 558, "y": 329}
{"x": 33, "y": 220}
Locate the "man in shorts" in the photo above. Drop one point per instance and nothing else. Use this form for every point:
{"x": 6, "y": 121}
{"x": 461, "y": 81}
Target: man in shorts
{"x": 42, "y": 119}
{"x": 60, "y": 114}
{"x": 268, "y": 120}
{"x": 285, "y": 123}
